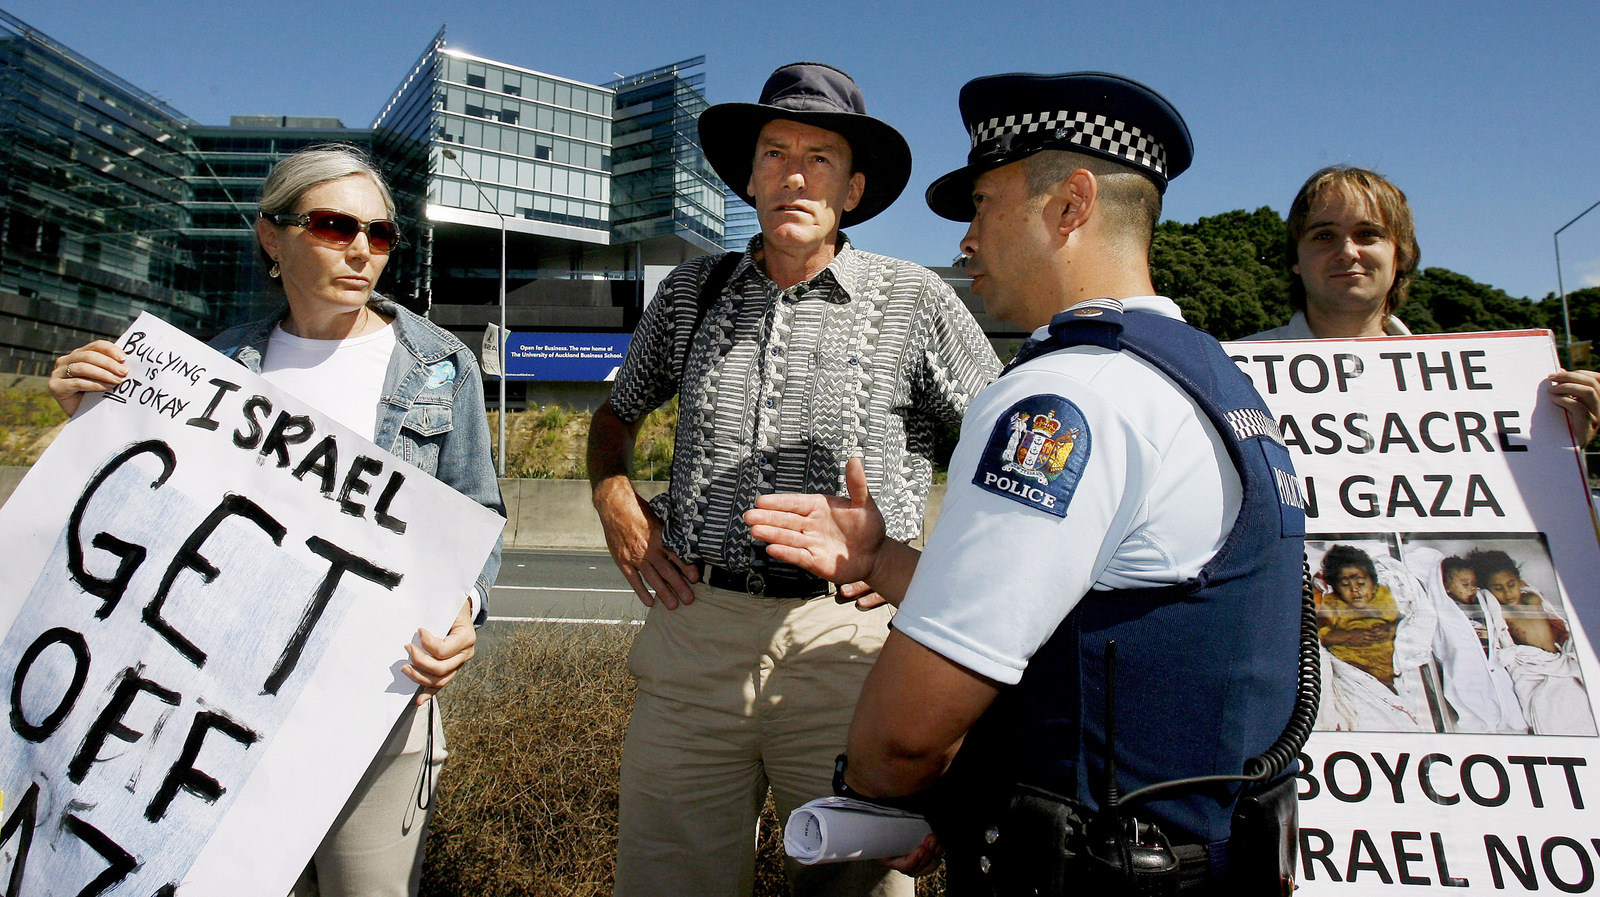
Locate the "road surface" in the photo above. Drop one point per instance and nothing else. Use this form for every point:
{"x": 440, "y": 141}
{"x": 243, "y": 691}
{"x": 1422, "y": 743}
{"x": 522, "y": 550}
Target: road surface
{"x": 562, "y": 586}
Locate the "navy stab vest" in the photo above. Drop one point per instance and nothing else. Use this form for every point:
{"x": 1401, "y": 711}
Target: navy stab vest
{"x": 1205, "y": 669}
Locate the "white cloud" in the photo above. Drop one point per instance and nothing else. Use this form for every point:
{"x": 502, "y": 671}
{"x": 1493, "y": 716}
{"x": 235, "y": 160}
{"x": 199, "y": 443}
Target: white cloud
{"x": 1588, "y": 273}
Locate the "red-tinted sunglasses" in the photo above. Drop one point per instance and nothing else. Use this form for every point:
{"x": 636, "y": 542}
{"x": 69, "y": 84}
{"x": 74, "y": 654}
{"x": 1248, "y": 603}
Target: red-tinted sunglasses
{"x": 340, "y": 228}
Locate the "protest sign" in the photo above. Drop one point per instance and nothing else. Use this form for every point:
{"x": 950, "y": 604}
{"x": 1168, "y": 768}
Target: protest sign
{"x": 1456, "y": 561}
{"x": 207, "y": 590}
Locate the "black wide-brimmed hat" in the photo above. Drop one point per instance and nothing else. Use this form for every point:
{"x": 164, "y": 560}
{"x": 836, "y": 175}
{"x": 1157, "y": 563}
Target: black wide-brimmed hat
{"x": 1011, "y": 117}
{"x": 821, "y": 96}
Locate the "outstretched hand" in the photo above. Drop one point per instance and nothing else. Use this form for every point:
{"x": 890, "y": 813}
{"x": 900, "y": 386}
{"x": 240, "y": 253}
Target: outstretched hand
{"x": 831, "y": 537}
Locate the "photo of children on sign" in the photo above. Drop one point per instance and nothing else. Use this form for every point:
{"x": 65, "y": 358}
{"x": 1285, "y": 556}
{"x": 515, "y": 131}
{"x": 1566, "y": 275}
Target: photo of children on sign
{"x": 1446, "y": 632}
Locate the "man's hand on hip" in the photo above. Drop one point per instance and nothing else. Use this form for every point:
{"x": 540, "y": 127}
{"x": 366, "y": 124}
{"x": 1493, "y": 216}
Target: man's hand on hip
{"x": 633, "y": 535}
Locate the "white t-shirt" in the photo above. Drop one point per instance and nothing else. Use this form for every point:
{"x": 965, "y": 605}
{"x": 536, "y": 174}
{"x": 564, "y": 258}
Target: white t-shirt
{"x": 343, "y": 378}
{"x": 1299, "y": 328}
{"x": 1157, "y": 497}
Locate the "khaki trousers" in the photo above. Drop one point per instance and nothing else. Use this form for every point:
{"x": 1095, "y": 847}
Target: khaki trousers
{"x": 374, "y": 848}
{"x": 737, "y": 694}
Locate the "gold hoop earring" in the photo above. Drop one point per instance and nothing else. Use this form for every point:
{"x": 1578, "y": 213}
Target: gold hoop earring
{"x": 274, "y": 272}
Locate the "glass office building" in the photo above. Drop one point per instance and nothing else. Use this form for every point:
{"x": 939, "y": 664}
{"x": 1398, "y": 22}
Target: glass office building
{"x": 495, "y": 147}
{"x": 112, "y": 202}
{"x": 664, "y": 185}
{"x": 538, "y": 145}
{"x": 739, "y": 221}
{"x": 480, "y": 143}
{"x": 92, "y": 212}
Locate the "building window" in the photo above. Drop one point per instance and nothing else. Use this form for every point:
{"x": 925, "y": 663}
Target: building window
{"x": 509, "y": 116}
{"x": 23, "y": 232}
{"x": 476, "y": 81}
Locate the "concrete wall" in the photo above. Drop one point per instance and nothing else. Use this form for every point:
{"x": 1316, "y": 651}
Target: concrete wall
{"x": 539, "y": 513}
{"x": 556, "y": 513}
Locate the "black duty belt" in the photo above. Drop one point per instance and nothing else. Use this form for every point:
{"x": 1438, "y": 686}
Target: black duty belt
{"x": 764, "y": 585}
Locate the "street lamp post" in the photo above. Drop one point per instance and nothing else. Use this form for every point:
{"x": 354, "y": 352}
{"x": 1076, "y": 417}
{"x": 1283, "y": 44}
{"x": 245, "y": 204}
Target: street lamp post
{"x": 1566, "y": 319}
{"x": 501, "y": 350}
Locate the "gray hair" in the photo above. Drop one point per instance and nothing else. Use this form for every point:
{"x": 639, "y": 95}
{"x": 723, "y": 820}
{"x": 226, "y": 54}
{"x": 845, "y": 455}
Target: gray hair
{"x": 292, "y": 177}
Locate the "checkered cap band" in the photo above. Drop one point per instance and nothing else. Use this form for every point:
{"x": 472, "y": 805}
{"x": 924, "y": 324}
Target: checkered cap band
{"x": 1249, "y": 422}
{"x": 1096, "y": 132}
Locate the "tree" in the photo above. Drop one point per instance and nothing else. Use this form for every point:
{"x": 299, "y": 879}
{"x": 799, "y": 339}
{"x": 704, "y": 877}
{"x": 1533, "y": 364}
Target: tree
{"x": 1583, "y": 307}
{"x": 1443, "y": 301}
{"x": 1226, "y": 271}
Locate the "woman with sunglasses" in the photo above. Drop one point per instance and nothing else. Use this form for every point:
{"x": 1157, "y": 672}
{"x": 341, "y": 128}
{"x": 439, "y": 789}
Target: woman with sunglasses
{"x": 325, "y": 232}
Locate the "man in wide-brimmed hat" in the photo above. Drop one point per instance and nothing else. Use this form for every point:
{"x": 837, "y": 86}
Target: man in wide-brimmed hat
{"x": 788, "y": 359}
{"x": 1111, "y": 598}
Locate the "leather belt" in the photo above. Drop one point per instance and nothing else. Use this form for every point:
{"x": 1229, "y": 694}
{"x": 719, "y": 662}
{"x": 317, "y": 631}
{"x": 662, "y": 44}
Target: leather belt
{"x": 763, "y": 585}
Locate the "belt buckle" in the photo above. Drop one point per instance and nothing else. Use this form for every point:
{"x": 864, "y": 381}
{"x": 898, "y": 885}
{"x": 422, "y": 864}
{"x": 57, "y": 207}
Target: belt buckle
{"x": 755, "y": 584}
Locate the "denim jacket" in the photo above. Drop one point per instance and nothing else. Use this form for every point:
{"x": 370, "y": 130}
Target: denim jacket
{"x": 431, "y": 384}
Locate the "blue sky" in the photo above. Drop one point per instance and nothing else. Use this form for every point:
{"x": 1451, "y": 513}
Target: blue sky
{"x": 1486, "y": 114}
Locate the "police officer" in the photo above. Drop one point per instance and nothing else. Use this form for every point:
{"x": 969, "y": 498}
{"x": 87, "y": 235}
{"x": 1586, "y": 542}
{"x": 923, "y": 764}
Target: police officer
{"x": 1110, "y": 599}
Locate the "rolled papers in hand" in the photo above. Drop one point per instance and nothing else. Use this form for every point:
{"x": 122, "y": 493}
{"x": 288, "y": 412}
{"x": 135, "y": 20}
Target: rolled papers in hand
{"x": 837, "y": 829}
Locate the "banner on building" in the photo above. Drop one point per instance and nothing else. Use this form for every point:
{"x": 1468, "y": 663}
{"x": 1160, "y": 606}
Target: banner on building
{"x": 206, "y": 592}
{"x": 1456, "y": 564}
{"x": 565, "y": 356}
{"x": 489, "y": 354}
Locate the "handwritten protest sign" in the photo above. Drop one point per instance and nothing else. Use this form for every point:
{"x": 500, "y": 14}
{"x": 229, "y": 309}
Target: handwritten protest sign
{"x": 1454, "y": 553}
{"x": 206, "y": 592}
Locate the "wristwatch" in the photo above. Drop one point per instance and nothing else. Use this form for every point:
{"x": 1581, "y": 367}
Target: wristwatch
{"x": 910, "y": 803}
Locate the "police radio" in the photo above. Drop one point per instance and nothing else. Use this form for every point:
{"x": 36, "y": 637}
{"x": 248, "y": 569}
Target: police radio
{"x": 1056, "y": 845}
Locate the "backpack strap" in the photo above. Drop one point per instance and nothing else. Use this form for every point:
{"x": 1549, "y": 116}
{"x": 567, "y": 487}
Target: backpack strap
{"x": 716, "y": 281}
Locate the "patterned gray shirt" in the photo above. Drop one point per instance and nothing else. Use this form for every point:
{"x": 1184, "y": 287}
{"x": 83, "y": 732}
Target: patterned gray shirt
{"x": 781, "y": 387}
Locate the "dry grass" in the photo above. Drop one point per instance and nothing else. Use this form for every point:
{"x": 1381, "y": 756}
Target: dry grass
{"x": 527, "y": 804}
{"x": 528, "y": 801}
{"x": 29, "y": 421}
